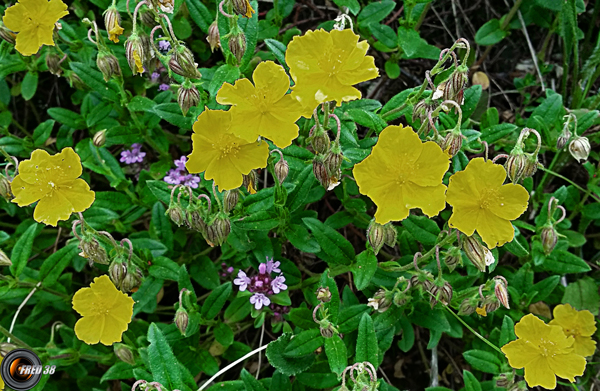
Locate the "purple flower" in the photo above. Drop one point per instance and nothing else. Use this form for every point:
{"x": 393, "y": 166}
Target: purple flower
{"x": 179, "y": 175}
{"x": 154, "y": 77}
{"x": 191, "y": 181}
{"x": 163, "y": 87}
{"x": 242, "y": 281}
{"x": 180, "y": 163}
{"x": 258, "y": 299}
{"x": 278, "y": 284}
{"x": 135, "y": 155}
{"x": 262, "y": 268}
{"x": 164, "y": 46}
{"x": 173, "y": 177}
{"x": 273, "y": 266}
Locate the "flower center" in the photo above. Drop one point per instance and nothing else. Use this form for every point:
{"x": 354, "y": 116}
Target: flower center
{"x": 228, "y": 148}
{"x": 489, "y": 198}
{"x": 547, "y": 348}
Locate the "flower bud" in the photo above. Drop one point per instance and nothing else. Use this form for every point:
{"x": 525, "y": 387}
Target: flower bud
{"x": 442, "y": 293}
{"x": 452, "y": 143}
{"x": 108, "y": 64}
{"x": 230, "y": 199}
{"x": 563, "y": 139}
{"x": 181, "y": 320}
{"x": 333, "y": 161}
{"x": 549, "y": 238}
{"x": 4, "y": 259}
{"x": 147, "y": 18}
{"x": 467, "y": 307}
{"x": 282, "y": 170}
{"x": 326, "y": 329}
{"x": 5, "y": 191}
{"x": 391, "y": 235}
{"x": 580, "y": 148}
{"x": 321, "y": 172}
{"x": 196, "y": 222}
{"x": 323, "y": 294}
{"x": 112, "y": 23}
{"x": 6, "y": 347}
{"x": 453, "y": 258}
{"x": 381, "y": 301}
{"x": 176, "y": 214}
{"x": 476, "y": 252}
{"x": 99, "y": 138}
{"x": 7, "y": 35}
{"x": 491, "y": 304}
{"x": 124, "y": 353}
{"x": 237, "y": 46}
{"x": 515, "y": 166}
{"x": 187, "y": 98}
{"x": 218, "y": 231}
{"x": 421, "y": 110}
{"x": 501, "y": 293}
{"x": 182, "y": 63}
{"x": 504, "y": 380}
{"x": 250, "y": 181}
{"x": 53, "y": 63}
{"x": 76, "y": 82}
{"x": 166, "y": 6}
{"x": 376, "y": 235}
{"x": 400, "y": 299}
{"x": 134, "y": 52}
{"x": 131, "y": 280}
{"x": 242, "y": 8}
{"x": 531, "y": 165}
{"x": 214, "y": 37}
{"x": 117, "y": 271}
{"x": 519, "y": 386}
{"x": 93, "y": 251}
{"x": 320, "y": 142}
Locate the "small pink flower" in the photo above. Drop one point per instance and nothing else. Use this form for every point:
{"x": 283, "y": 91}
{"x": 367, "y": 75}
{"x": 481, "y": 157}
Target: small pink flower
{"x": 278, "y": 284}
{"x": 259, "y": 300}
{"x": 242, "y": 281}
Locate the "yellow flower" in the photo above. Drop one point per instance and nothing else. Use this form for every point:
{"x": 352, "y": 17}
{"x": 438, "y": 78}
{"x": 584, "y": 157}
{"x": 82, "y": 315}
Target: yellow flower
{"x": 114, "y": 33}
{"x": 325, "y": 66}
{"x": 263, "y": 109}
{"x": 54, "y": 182}
{"x": 580, "y": 325}
{"x": 34, "y": 21}
{"x": 249, "y": 10}
{"x": 481, "y": 310}
{"x": 138, "y": 62}
{"x": 481, "y": 202}
{"x": 1, "y": 381}
{"x": 544, "y": 351}
{"x": 403, "y": 173}
{"x": 105, "y": 310}
{"x": 223, "y": 156}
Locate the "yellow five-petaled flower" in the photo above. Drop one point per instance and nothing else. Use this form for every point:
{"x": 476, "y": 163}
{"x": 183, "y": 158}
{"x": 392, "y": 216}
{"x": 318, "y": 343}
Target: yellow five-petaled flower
{"x": 482, "y": 202}
{"x": 544, "y": 351}
{"x": 34, "y": 21}
{"x": 580, "y": 325}
{"x": 54, "y": 182}
{"x": 106, "y": 312}
{"x": 403, "y": 173}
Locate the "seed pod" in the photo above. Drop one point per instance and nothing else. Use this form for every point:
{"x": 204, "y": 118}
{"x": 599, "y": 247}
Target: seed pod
{"x": 237, "y": 45}
{"x": 282, "y": 169}
{"x": 549, "y": 238}
{"x": 467, "y": 307}
{"x": 230, "y": 199}
{"x": 320, "y": 142}
{"x": 476, "y": 252}
{"x": 5, "y": 191}
{"x": 4, "y": 259}
{"x": 376, "y": 234}
{"x": 187, "y": 97}
{"x": 452, "y": 143}
{"x": 333, "y": 162}
{"x": 7, "y": 35}
{"x": 515, "y": 166}
{"x": 108, "y": 64}
{"x": 117, "y": 271}
{"x": 182, "y": 320}
{"x": 182, "y": 63}
{"x": 321, "y": 172}
{"x": 501, "y": 293}
{"x": 214, "y": 37}
{"x": 99, "y": 138}
{"x": 134, "y": 52}
{"x": 580, "y": 148}
{"x": 124, "y": 353}
{"x": 323, "y": 294}
{"x": 391, "y": 235}
{"x": 218, "y": 232}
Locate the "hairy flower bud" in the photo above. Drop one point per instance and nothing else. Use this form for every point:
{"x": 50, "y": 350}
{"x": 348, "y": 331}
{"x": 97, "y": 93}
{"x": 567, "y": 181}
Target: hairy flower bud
{"x": 53, "y": 63}
{"x": 381, "y": 301}
{"x": 580, "y": 148}
{"x": 117, "y": 271}
{"x": 376, "y": 234}
{"x": 214, "y": 37}
{"x": 326, "y": 328}
{"x": 124, "y": 353}
{"x": 134, "y": 52}
{"x": 182, "y": 320}
{"x": 182, "y": 63}
{"x": 422, "y": 109}
{"x": 6, "y": 347}
{"x": 282, "y": 169}
{"x": 237, "y": 45}
{"x": 453, "y": 258}
{"x": 491, "y": 304}
{"x": 391, "y": 235}
{"x": 467, "y": 307}
{"x": 452, "y": 143}
{"x": 320, "y": 142}
{"x": 242, "y": 8}
{"x": 400, "y": 299}
{"x": 531, "y": 165}
{"x": 476, "y": 252}
{"x": 131, "y": 280}
{"x": 196, "y": 222}
{"x": 147, "y": 18}
{"x": 501, "y": 293}
{"x": 5, "y": 191}
{"x": 442, "y": 293}
{"x": 112, "y": 23}
{"x": 230, "y": 200}
{"x": 515, "y": 166}
{"x": 93, "y": 251}
{"x": 323, "y": 294}
{"x": 504, "y": 380}
{"x": 333, "y": 161}
{"x": 7, "y": 35}
{"x": 563, "y": 139}
{"x": 250, "y": 181}
{"x": 187, "y": 97}
{"x": 99, "y": 138}
{"x": 108, "y": 64}
{"x": 549, "y": 238}
{"x": 76, "y": 82}
{"x": 4, "y": 259}
{"x": 321, "y": 172}
{"x": 218, "y": 231}
{"x": 176, "y": 214}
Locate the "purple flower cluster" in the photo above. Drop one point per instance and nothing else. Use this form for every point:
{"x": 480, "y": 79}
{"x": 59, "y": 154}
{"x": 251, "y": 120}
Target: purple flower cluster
{"x": 179, "y": 175}
{"x": 164, "y": 46}
{"x": 163, "y": 87}
{"x": 133, "y": 155}
{"x": 262, "y": 285}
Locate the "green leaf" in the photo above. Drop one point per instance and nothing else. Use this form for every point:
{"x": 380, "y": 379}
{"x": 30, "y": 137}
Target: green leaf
{"x": 337, "y": 354}
{"x": 306, "y": 342}
{"x": 29, "y": 85}
{"x": 471, "y": 382}
{"x": 67, "y": 117}
{"x": 160, "y": 226}
{"x": 301, "y": 239}
{"x": 583, "y": 295}
{"x": 250, "y": 382}
{"x": 483, "y": 361}
{"x": 278, "y": 49}
{"x": 366, "y": 266}
{"x": 423, "y": 229}
{"x": 204, "y": 272}
{"x": 95, "y": 80}
{"x": 563, "y": 262}
{"x": 171, "y": 112}
{"x": 507, "y": 333}
{"x": 280, "y": 382}
{"x": 367, "y": 119}
{"x": 384, "y": 34}
{"x": 353, "y": 5}
{"x": 550, "y": 111}
{"x": 215, "y": 301}
{"x": 224, "y": 74}
{"x": 335, "y": 248}
{"x": 333, "y": 306}
{"x": 366, "y": 344}
{"x": 54, "y": 265}
{"x": 262, "y": 220}
{"x": 22, "y": 250}
{"x": 121, "y": 370}
{"x": 490, "y": 33}
{"x": 516, "y": 248}
{"x": 350, "y": 317}
{"x": 145, "y": 296}
{"x": 413, "y": 46}
{"x": 289, "y": 366}
{"x": 392, "y": 69}
{"x": 237, "y": 310}
{"x": 163, "y": 364}
{"x": 223, "y": 334}
{"x": 408, "y": 335}
{"x": 375, "y": 12}
{"x": 42, "y": 132}
{"x": 200, "y": 14}
{"x": 303, "y": 183}
{"x": 496, "y": 132}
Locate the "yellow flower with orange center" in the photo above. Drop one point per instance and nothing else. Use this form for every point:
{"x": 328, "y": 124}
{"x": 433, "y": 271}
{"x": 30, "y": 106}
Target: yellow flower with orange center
{"x": 106, "y": 312}
{"x": 33, "y": 21}
{"x": 326, "y": 65}
{"x": 544, "y": 351}
{"x": 54, "y": 182}
{"x": 580, "y": 325}
{"x": 221, "y": 155}
{"x": 482, "y": 202}
{"x": 402, "y": 173}
{"x": 263, "y": 109}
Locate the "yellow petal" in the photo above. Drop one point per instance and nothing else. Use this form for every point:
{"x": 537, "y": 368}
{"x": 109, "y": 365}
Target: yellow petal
{"x": 271, "y": 78}
{"x": 64, "y": 200}
{"x": 511, "y": 202}
{"x": 431, "y": 165}
{"x": 89, "y": 329}
{"x": 237, "y": 94}
{"x": 114, "y": 33}
{"x": 584, "y": 346}
{"x": 56, "y": 10}
{"x": 225, "y": 174}
{"x": 464, "y": 219}
{"x": 390, "y": 204}
{"x": 202, "y": 155}
{"x": 430, "y": 199}
{"x": 567, "y": 366}
{"x": 366, "y": 70}
{"x": 27, "y": 41}
{"x": 520, "y": 353}
{"x": 15, "y": 16}
{"x": 539, "y": 373}
{"x": 494, "y": 231}
{"x": 25, "y": 193}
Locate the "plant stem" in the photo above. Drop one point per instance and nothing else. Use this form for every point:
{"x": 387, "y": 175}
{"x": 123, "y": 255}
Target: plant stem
{"x": 587, "y": 192}
{"x": 481, "y": 337}
{"x": 15, "y": 339}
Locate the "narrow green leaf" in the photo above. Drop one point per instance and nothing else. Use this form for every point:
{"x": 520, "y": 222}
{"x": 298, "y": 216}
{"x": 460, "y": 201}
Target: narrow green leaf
{"x": 483, "y": 361}
{"x": 366, "y": 266}
{"x": 471, "y": 382}
{"x": 337, "y": 354}
{"x": 335, "y": 248}
{"x": 215, "y": 301}
{"x": 306, "y": 342}
{"x": 163, "y": 363}
{"x": 366, "y": 344}
{"x": 22, "y": 250}
{"x": 54, "y": 265}
{"x": 29, "y": 85}
{"x": 250, "y": 382}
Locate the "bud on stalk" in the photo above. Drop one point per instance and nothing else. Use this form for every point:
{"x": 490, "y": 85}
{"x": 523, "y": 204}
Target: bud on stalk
{"x": 453, "y": 258}
{"x": 131, "y": 280}
{"x": 108, "y": 64}
{"x": 391, "y": 235}
{"x": 320, "y": 141}
{"x": 218, "y": 231}
{"x": 5, "y": 191}
{"x": 7, "y": 35}
{"x": 53, "y": 63}
{"x": 333, "y": 161}
{"x": 515, "y": 166}
{"x": 187, "y": 97}
{"x": 376, "y": 234}
{"x": 196, "y": 222}
{"x": 282, "y": 170}
{"x": 452, "y": 143}
{"x": 99, "y": 138}
{"x": 381, "y": 301}
{"x": 250, "y": 181}
{"x": 214, "y": 37}
{"x": 230, "y": 200}
{"x": 117, "y": 271}
{"x": 580, "y": 148}
{"x": 112, "y": 23}
{"x": 182, "y": 63}
{"x": 563, "y": 139}
{"x": 321, "y": 172}
{"x": 242, "y": 8}
{"x": 467, "y": 307}
{"x": 323, "y": 294}
{"x": 176, "y": 214}
{"x": 124, "y": 353}
{"x": 237, "y": 45}
{"x": 549, "y": 238}
{"x": 181, "y": 320}
{"x": 4, "y": 259}
{"x": 476, "y": 252}
{"x": 501, "y": 293}
{"x": 134, "y": 52}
